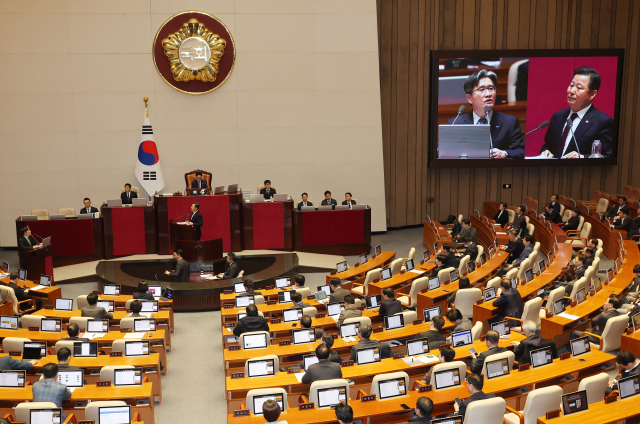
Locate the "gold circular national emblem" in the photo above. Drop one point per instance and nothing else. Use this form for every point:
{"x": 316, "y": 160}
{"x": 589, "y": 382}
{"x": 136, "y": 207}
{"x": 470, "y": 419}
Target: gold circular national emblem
{"x": 194, "y": 52}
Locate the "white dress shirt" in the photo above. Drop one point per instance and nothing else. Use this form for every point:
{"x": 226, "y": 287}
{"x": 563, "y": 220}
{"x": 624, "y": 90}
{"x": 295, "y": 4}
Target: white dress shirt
{"x": 572, "y": 131}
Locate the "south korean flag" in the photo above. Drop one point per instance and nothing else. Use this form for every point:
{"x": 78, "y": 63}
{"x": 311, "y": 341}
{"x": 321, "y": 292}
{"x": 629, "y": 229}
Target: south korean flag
{"x": 148, "y": 170}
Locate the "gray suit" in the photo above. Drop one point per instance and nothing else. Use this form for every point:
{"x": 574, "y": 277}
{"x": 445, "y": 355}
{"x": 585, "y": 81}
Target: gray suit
{"x": 349, "y": 312}
{"x": 477, "y": 363}
{"x": 8, "y": 363}
{"x": 524, "y": 255}
{"x": 516, "y": 222}
{"x": 338, "y": 295}
{"x": 465, "y": 324}
{"x": 385, "y": 349}
{"x": 323, "y": 370}
{"x": 470, "y": 232}
{"x": 435, "y": 337}
{"x": 181, "y": 273}
{"x": 97, "y": 312}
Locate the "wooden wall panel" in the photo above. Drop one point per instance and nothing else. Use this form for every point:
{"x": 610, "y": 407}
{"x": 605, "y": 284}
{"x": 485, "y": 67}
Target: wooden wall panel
{"x": 409, "y": 29}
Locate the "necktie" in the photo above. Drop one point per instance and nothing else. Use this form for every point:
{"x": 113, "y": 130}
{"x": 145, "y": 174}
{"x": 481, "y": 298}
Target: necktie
{"x": 199, "y": 184}
{"x": 482, "y": 121}
{"x": 572, "y": 145}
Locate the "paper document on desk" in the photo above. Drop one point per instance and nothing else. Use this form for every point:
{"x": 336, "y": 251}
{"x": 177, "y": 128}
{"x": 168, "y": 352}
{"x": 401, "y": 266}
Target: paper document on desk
{"x": 349, "y": 339}
{"x": 428, "y": 359}
{"x": 498, "y": 232}
{"x": 568, "y": 316}
{"x": 38, "y": 287}
{"x": 181, "y": 223}
{"x": 71, "y": 389}
{"x": 417, "y": 271}
{"x": 299, "y": 376}
{"x": 412, "y": 361}
{"x": 92, "y": 336}
{"x": 134, "y": 335}
{"x": 335, "y": 318}
{"x": 3, "y": 274}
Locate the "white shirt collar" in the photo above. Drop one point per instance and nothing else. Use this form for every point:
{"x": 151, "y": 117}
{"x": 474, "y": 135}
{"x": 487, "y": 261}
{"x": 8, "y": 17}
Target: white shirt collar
{"x": 581, "y": 112}
{"x": 476, "y": 118}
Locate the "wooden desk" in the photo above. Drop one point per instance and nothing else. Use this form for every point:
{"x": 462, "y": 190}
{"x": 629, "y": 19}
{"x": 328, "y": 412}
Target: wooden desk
{"x": 121, "y": 301}
{"x": 399, "y": 280}
{"x": 128, "y": 231}
{"x": 631, "y": 342}
{"x": 599, "y": 413}
{"x": 268, "y": 225}
{"x": 485, "y": 233}
{"x": 430, "y": 237}
{"x": 356, "y": 274}
{"x": 48, "y": 294}
{"x": 602, "y": 231}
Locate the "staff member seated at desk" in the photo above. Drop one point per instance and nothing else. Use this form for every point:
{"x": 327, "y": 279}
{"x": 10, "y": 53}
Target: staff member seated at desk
{"x": 474, "y": 387}
{"x": 305, "y": 201}
{"x": 87, "y": 207}
{"x": 271, "y": 412}
{"x": 8, "y": 363}
{"x": 94, "y": 311}
{"x": 249, "y": 287}
{"x": 196, "y": 220}
{"x": 364, "y": 332}
{"x": 573, "y": 223}
{"x": 471, "y": 250}
{"x": 502, "y": 216}
{"x": 296, "y": 298}
{"x": 609, "y": 310}
{"x": 567, "y": 280}
{"x": 447, "y": 354}
{"x": 451, "y": 261}
{"x": 72, "y": 331}
{"x": 143, "y": 291}
{"x": 522, "y": 229}
{"x": 511, "y": 302}
{"x": 389, "y": 305}
{"x": 350, "y": 310}
{"x": 252, "y": 322}
{"x": 515, "y": 246}
{"x": 21, "y": 293}
{"x": 49, "y": 389}
{"x": 520, "y": 210}
{"x": 324, "y": 369}
{"x": 424, "y": 407}
{"x": 613, "y": 213}
{"x": 267, "y": 191}
{"x": 492, "y": 339}
{"x": 135, "y": 307}
{"x": 629, "y": 365}
{"x": 436, "y": 338}
{"x": 461, "y": 323}
{"x": 532, "y": 340}
{"x": 328, "y": 340}
{"x": 337, "y": 293}
{"x": 26, "y": 242}
{"x": 551, "y": 214}
{"x": 440, "y": 265}
{"x": 198, "y": 182}
{"x": 579, "y": 267}
{"x": 328, "y": 200}
{"x": 181, "y": 273}
{"x": 348, "y": 200}
{"x": 127, "y": 196}
{"x": 626, "y": 223}
{"x": 233, "y": 270}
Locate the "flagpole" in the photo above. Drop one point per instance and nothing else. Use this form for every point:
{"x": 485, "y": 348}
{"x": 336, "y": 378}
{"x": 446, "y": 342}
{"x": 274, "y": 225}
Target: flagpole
{"x": 146, "y": 107}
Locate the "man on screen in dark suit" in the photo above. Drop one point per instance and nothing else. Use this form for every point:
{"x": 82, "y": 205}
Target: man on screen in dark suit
{"x": 588, "y": 123}
{"x": 196, "y": 219}
{"x": 328, "y": 200}
{"x": 268, "y": 192}
{"x": 181, "y": 273}
{"x": 305, "y": 201}
{"x": 506, "y": 134}
{"x": 199, "y": 182}
{"x": 26, "y": 242}
{"x": 128, "y": 195}
{"x": 87, "y": 206}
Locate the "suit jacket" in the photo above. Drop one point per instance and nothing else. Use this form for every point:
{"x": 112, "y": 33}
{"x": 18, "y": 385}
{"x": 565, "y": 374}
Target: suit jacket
{"x": 627, "y": 224}
{"x": 24, "y": 244}
{"x": 197, "y": 221}
{"x": 615, "y": 209}
{"x": 601, "y": 321}
{"x": 91, "y": 210}
{"x": 476, "y": 396}
{"x": 8, "y": 363}
{"x": 457, "y": 227}
{"x": 532, "y": 341}
{"x": 145, "y": 296}
{"x": 385, "y": 349}
{"x": 353, "y": 202}
{"x": 523, "y": 232}
{"x": 181, "y": 273}
{"x": 248, "y": 324}
{"x": 323, "y": 370}
{"x": 194, "y": 184}
{"x": 501, "y": 217}
{"x": 301, "y": 204}
{"x": 524, "y": 255}
{"x": 301, "y": 304}
{"x": 127, "y": 200}
{"x": 19, "y": 291}
{"x": 452, "y": 261}
{"x": 349, "y": 312}
{"x": 338, "y": 295}
{"x": 470, "y": 232}
{"x": 75, "y": 339}
{"x": 515, "y": 250}
{"x": 437, "y": 269}
{"x": 472, "y": 251}
{"x": 516, "y": 222}
{"x": 233, "y": 271}
{"x": 97, "y": 312}
{"x": 594, "y": 125}
{"x": 511, "y": 303}
{"x": 553, "y": 216}
{"x": 556, "y": 206}
{"x": 572, "y": 224}
{"x": 506, "y": 133}
{"x": 325, "y": 203}
{"x": 51, "y": 391}
{"x": 478, "y": 362}
{"x": 435, "y": 337}
{"x": 589, "y": 261}
{"x": 465, "y": 324}
{"x": 268, "y": 195}
{"x": 580, "y": 271}
{"x": 390, "y": 307}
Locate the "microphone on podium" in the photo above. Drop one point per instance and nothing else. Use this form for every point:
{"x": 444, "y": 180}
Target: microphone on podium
{"x": 460, "y": 111}
{"x": 543, "y": 125}
{"x": 176, "y": 219}
{"x": 35, "y": 235}
{"x": 487, "y": 109}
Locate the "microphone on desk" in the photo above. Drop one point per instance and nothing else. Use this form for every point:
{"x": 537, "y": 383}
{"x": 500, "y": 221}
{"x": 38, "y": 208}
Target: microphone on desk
{"x": 487, "y": 109}
{"x": 460, "y": 111}
{"x": 543, "y": 125}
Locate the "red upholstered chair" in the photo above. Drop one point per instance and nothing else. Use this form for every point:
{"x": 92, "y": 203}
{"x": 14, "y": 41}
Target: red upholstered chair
{"x": 189, "y": 177}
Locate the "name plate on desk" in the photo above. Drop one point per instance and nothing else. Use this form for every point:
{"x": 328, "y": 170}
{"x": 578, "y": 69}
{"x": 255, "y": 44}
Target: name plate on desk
{"x": 276, "y": 320}
{"x": 234, "y": 347}
{"x": 237, "y": 375}
{"x": 367, "y": 398}
{"x": 228, "y": 292}
{"x": 524, "y": 367}
{"x": 241, "y": 413}
{"x": 269, "y": 287}
{"x": 378, "y": 330}
{"x": 311, "y": 297}
{"x": 293, "y": 370}
{"x": 103, "y": 383}
{"x": 480, "y": 301}
{"x": 398, "y": 355}
{"x": 86, "y": 422}
{"x": 552, "y": 414}
{"x": 48, "y": 307}
{"x": 15, "y": 353}
{"x": 319, "y": 315}
{"x": 334, "y": 335}
{"x": 125, "y": 330}
{"x": 285, "y": 343}
{"x": 417, "y": 322}
{"x": 426, "y": 388}
{"x": 116, "y": 354}
{"x": 229, "y": 306}
{"x": 229, "y": 325}
{"x": 610, "y": 399}
{"x": 304, "y": 406}
{"x": 272, "y": 302}
{"x": 446, "y": 344}
{"x": 34, "y": 328}
{"x": 347, "y": 364}
{"x": 565, "y": 355}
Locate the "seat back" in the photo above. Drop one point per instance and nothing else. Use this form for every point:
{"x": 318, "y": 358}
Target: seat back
{"x": 596, "y": 267}
{"x": 524, "y": 265}
{"x": 561, "y": 209}
{"x": 595, "y": 387}
{"x": 417, "y": 286}
{"x": 487, "y": 411}
{"x": 106, "y": 373}
{"x": 581, "y": 224}
{"x": 304, "y": 292}
{"x": 396, "y": 266}
{"x": 512, "y": 215}
{"x": 531, "y": 229}
{"x": 8, "y": 294}
{"x": 588, "y": 275}
{"x": 127, "y": 304}
{"x": 64, "y": 343}
{"x": 118, "y": 345}
{"x": 512, "y": 273}
{"x": 536, "y": 247}
{"x": 374, "y": 274}
{"x": 586, "y": 230}
{"x": 27, "y": 321}
{"x": 598, "y": 254}
{"x": 375, "y": 388}
{"x": 127, "y": 322}
{"x": 67, "y": 212}
{"x": 554, "y": 295}
{"x": 81, "y": 301}
{"x": 582, "y": 282}
{"x": 23, "y": 410}
{"x": 443, "y": 275}
{"x": 412, "y": 253}
{"x": 460, "y": 217}
{"x": 261, "y": 392}
{"x": 512, "y": 77}
{"x": 494, "y": 282}
{"x": 508, "y": 355}
{"x": 566, "y": 215}
{"x": 531, "y": 311}
{"x": 465, "y": 299}
{"x": 310, "y": 310}
{"x": 241, "y": 338}
{"x": 92, "y": 410}
{"x": 276, "y": 363}
{"x": 258, "y": 299}
{"x": 409, "y": 316}
{"x": 603, "y": 205}
{"x": 14, "y": 344}
{"x": 540, "y": 401}
{"x": 462, "y": 267}
{"x": 42, "y": 214}
{"x": 81, "y": 321}
{"x": 461, "y": 366}
{"x": 241, "y": 273}
{"x": 361, "y": 320}
{"x": 316, "y": 385}
{"x": 476, "y": 330}
{"x": 612, "y": 334}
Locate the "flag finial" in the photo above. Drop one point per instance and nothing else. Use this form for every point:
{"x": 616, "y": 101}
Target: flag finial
{"x": 146, "y": 100}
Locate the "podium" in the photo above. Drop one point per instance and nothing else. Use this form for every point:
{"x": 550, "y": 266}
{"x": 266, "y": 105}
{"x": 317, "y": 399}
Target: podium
{"x": 39, "y": 262}
{"x": 183, "y": 237}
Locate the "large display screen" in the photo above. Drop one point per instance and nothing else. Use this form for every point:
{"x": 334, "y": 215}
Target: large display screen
{"x": 525, "y": 107}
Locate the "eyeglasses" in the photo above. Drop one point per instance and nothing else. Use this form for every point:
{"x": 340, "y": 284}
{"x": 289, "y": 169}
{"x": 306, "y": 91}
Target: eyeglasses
{"x": 490, "y": 89}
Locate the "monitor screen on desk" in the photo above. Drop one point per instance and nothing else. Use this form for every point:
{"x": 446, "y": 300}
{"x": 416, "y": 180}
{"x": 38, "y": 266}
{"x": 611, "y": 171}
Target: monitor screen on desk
{"x": 255, "y": 341}
{"x": 244, "y": 301}
{"x": 386, "y": 274}
{"x": 71, "y": 378}
{"x": 46, "y": 416}
{"x": 239, "y": 288}
{"x": 241, "y": 315}
{"x": 409, "y": 265}
{"x": 284, "y": 296}
{"x": 453, "y": 276}
{"x": 635, "y": 320}
{"x": 8, "y": 323}
{"x": 391, "y": 388}
{"x": 137, "y": 348}
{"x": 489, "y": 294}
{"x": 258, "y": 401}
{"x": 45, "y": 280}
{"x": 417, "y": 346}
{"x": 501, "y": 327}
{"x": 334, "y": 309}
{"x": 461, "y": 338}
{"x": 629, "y": 386}
{"x": 85, "y": 349}
{"x": 53, "y": 325}
{"x": 434, "y": 283}
{"x": 391, "y": 322}
{"x": 558, "y": 306}
{"x": 320, "y": 296}
{"x": 454, "y": 419}
{"x": 373, "y": 301}
{"x": 64, "y": 304}
{"x": 580, "y": 346}
{"x": 111, "y": 289}
{"x": 610, "y": 275}
{"x": 378, "y": 250}
{"x": 429, "y": 313}
{"x": 528, "y": 275}
{"x": 292, "y": 314}
{"x": 283, "y": 282}
{"x": 12, "y": 378}
{"x": 34, "y": 350}
{"x": 342, "y": 266}
{"x": 309, "y": 360}
{"x": 22, "y": 274}
{"x": 150, "y": 305}
{"x": 141, "y": 325}
{"x": 5, "y": 266}
{"x": 349, "y": 330}
{"x": 326, "y": 288}
{"x": 574, "y": 402}
{"x": 541, "y": 357}
{"x": 114, "y": 415}
{"x": 581, "y": 295}
{"x": 331, "y": 396}
{"x": 127, "y": 377}
{"x": 304, "y": 335}
{"x": 363, "y": 259}
{"x": 260, "y": 368}
{"x": 99, "y": 325}
{"x": 447, "y": 378}
{"x": 426, "y": 255}
{"x": 108, "y": 305}
{"x": 497, "y": 368}
{"x": 156, "y": 291}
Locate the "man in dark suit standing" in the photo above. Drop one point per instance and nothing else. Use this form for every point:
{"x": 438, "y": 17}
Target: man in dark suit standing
{"x": 554, "y": 203}
{"x": 87, "y": 207}
{"x": 622, "y": 203}
{"x": 474, "y": 387}
{"x": 551, "y": 214}
{"x": 328, "y": 200}
{"x": 502, "y": 216}
{"x": 324, "y": 369}
{"x": 196, "y": 219}
{"x": 267, "y": 191}
{"x": 492, "y": 339}
{"x": 181, "y": 273}
{"x": 626, "y": 223}
{"x": 127, "y": 196}
{"x": 587, "y": 123}
{"x": 198, "y": 182}
{"x": 506, "y": 134}
{"x": 609, "y": 310}
{"x": 389, "y": 305}
{"x": 20, "y": 292}
{"x": 348, "y": 200}
{"x": 233, "y": 270}
{"x": 573, "y": 223}
{"x": 511, "y": 303}
{"x": 25, "y": 243}
{"x": 304, "y": 202}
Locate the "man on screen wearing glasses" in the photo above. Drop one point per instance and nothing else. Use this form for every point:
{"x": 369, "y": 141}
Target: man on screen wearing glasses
{"x": 506, "y": 134}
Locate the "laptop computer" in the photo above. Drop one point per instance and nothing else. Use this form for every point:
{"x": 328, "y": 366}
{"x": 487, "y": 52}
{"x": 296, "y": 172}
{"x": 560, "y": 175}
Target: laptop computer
{"x": 137, "y": 348}
{"x": 489, "y": 294}
{"x": 111, "y": 289}
{"x": 56, "y": 217}
{"x": 256, "y": 198}
{"x": 255, "y": 341}
{"x": 114, "y": 203}
{"x": 326, "y": 288}
{"x": 331, "y": 396}
{"x": 114, "y": 415}
{"x": 138, "y": 202}
{"x": 464, "y": 141}
{"x": 373, "y": 302}
{"x": 580, "y": 346}
{"x": 447, "y": 378}
{"x": 46, "y": 416}
{"x": 431, "y": 312}
{"x": 63, "y": 304}
{"x": 127, "y": 377}
{"x": 501, "y": 327}
{"x": 280, "y": 197}
{"x": 541, "y": 357}
{"x": 629, "y": 386}
{"x": 418, "y": 346}
{"x": 218, "y": 190}
{"x": 304, "y": 335}
{"x": 392, "y": 322}
{"x": 233, "y": 188}
{"x": 85, "y": 349}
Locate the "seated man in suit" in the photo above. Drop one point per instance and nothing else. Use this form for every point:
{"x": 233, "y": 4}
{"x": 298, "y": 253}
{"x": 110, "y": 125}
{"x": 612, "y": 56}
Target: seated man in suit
{"x": 143, "y": 291}
{"x": 578, "y": 265}
{"x": 181, "y": 273}
{"x": 515, "y": 247}
{"x": 492, "y": 339}
{"x": 587, "y": 123}
{"x": 344, "y": 414}
{"x": 467, "y": 231}
{"x": 551, "y": 214}
{"x": 589, "y": 254}
{"x": 528, "y": 242}
{"x": 252, "y": 322}
{"x": 50, "y": 390}
{"x": 350, "y": 310}
{"x": 135, "y": 307}
{"x": 337, "y": 293}
{"x": 436, "y": 338}
{"x": 463, "y": 283}
{"x": 506, "y": 134}
{"x": 554, "y": 203}
{"x": 328, "y": 200}
{"x": 72, "y": 331}
{"x": 196, "y": 220}
{"x": 532, "y": 340}
{"x": 305, "y": 322}
{"x": 64, "y": 357}
{"x": 299, "y": 281}
{"x": 249, "y": 287}
{"x": 461, "y": 323}
{"x": 471, "y": 250}
{"x": 424, "y": 407}
{"x": 451, "y": 256}
{"x": 324, "y": 369}
{"x": 609, "y": 310}
{"x": 21, "y": 293}
{"x": 474, "y": 387}
{"x": 348, "y": 200}
{"x": 127, "y": 196}
{"x": 456, "y": 227}
{"x": 440, "y": 265}
{"x": 9, "y": 363}
{"x": 364, "y": 332}
{"x": 296, "y": 298}
{"x": 233, "y": 270}
{"x": 199, "y": 182}
{"x": 305, "y": 201}
{"x": 573, "y": 223}
{"x": 626, "y": 223}
{"x": 267, "y": 191}
{"x": 447, "y": 354}
{"x": 613, "y": 213}
{"x": 628, "y": 364}
{"x": 94, "y": 311}
{"x": 390, "y": 305}
{"x": 523, "y": 231}
{"x": 87, "y": 207}
{"x": 511, "y": 302}
{"x": 25, "y": 243}
{"x": 520, "y": 210}
{"x": 502, "y": 216}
